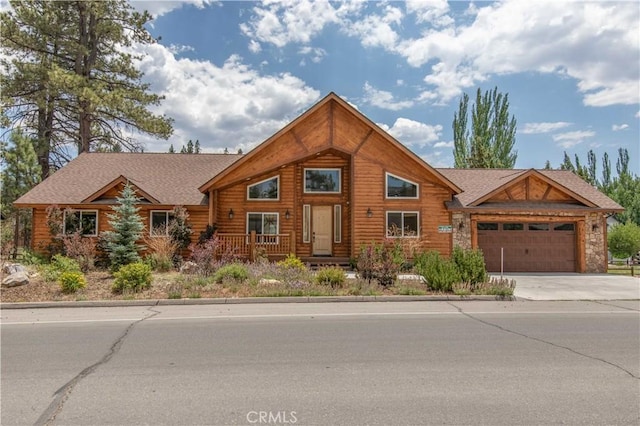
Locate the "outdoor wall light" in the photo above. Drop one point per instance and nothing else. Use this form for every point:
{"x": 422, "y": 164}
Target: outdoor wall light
{"x": 230, "y": 213}
{"x": 594, "y": 228}
{"x": 287, "y": 215}
{"x": 369, "y": 212}
{"x": 460, "y": 225}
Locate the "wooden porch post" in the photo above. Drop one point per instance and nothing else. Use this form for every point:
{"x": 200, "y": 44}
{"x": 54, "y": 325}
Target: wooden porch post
{"x": 252, "y": 246}
{"x": 292, "y": 242}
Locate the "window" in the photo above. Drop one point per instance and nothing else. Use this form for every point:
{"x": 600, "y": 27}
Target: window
{"x": 265, "y": 190}
{"x": 265, "y": 225}
{"x": 322, "y": 181}
{"x": 402, "y": 224}
{"x": 159, "y": 223}
{"x": 337, "y": 223}
{"x": 485, "y": 226}
{"x": 564, "y": 227}
{"x": 83, "y": 221}
{"x": 513, "y": 226}
{"x": 306, "y": 223}
{"x": 538, "y": 227}
{"x": 400, "y": 188}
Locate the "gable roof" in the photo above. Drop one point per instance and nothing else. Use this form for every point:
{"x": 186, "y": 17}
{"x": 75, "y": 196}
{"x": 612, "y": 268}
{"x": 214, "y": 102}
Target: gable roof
{"x": 169, "y": 179}
{"x": 331, "y": 97}
{"x": 478, "y": 185}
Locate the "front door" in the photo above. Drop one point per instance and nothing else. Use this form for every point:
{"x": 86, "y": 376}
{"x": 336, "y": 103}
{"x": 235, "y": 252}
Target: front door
{"x": 321, "y": 230}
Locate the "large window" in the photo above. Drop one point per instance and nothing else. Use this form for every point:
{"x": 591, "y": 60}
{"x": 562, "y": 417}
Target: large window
{"x": 83, "y": 221}
{"x": 322, "y": 181}
{"x": 402, "y": 224}
{"x": 264, "y": 190}
{"x": 159, "y": 223}
{"x": 401, "y": 188}
{"x": 265, "y": 225}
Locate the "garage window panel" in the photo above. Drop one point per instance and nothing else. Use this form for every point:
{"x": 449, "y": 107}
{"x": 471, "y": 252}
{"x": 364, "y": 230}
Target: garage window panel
{"x": 538, "y": 227}
{"x": 487, "y": 226}
{"x": 513, "y": 226}
{"x": 564, "y": 227}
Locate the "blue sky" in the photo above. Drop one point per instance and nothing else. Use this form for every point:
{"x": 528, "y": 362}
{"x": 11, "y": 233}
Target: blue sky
{"x": 234, "y": 73}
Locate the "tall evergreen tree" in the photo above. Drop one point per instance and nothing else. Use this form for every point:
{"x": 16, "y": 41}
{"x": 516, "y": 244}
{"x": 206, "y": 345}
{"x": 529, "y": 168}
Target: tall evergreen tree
{"x": 20, "y": 169}
{"x": 190, "y": 147}
{"x": 196, "y": 147}
{"x": 67, "y": 78}
{"x": 171, "y": 150}
{"x": 491, "y": 141}
{"x": 127, "y": 227}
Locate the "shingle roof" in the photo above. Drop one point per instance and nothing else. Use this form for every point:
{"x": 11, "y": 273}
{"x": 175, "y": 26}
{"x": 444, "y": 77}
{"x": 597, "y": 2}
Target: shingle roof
{"x": 477, "y": 183}
{"x": 172, "y": 179}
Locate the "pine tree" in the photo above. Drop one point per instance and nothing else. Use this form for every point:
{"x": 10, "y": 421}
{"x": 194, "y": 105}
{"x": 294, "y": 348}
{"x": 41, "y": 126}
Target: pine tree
{"x": 196, "y": 148}
{"x": 67, "y": 78}
{"x": 190, "y": 147}
{"x": 171, "y": 150}
{"x": 491, "y": 141}
{"x": 127, "y": 227}
{"x": 20, "y": 169}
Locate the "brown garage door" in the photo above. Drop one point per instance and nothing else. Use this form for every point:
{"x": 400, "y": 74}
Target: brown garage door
{"x": 528, "y": 247}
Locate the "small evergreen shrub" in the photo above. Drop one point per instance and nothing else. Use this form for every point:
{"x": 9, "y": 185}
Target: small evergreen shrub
{"x": 440, "y": 273}
{"x": 331, "y": 275}
{"x": 470, "y": 264}
{"x": 71, "y": 282}
{"x": 58, "y": 265}
{"x": 292, "y": 261}
{"x": 234, "y": 271}
{"x": 134, "y": 277}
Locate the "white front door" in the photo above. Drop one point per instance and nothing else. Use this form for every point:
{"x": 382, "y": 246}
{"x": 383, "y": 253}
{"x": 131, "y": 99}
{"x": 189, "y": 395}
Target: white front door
{"x": 321, "y": 230}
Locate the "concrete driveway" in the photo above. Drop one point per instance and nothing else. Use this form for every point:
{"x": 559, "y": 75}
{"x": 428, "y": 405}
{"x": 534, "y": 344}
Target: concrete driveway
{"x": 567, "y": 286}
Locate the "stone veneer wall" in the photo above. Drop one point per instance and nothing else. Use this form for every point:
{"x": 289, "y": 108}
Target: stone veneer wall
{"x": 461, "y": 234}
{"x": 595, "y": 227}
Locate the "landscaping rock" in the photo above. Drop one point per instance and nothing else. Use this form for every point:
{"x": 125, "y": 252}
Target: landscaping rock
{"x": 266, "y": 281}
{"x": 189, "y": 268}
{"x": 15, "y": 280}
{"x": 12, "y": 268}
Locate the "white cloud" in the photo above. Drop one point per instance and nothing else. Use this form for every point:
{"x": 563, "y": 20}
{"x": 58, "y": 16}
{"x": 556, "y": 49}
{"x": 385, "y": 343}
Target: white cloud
{"x": 254, "y": 46}
{"x": 159, "y": 8}
{"x": 443, "y": 144}
{"x": 437, "y": 160}
{"x": 638, "y": 114}
{"x": 316, "y": 53}
{"x": 377, "y": 30}
{"x": 414, "y": 133}
{"x": 232, "y": 105}
{"x": 383, "y": 99}
{"x": 431, "y": 11}
{"x": 176, "y": 49}
{"x": 618, "y": 127}
{"x": 570, "y": 139}
{"x": 545, "y": 127}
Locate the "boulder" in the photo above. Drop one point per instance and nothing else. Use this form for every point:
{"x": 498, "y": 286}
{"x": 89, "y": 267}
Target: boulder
{"x": 15, "y": 280}
{"x": 189, "y": 268}
{"x": 267, "y": 282}
{"x": 12, "y": 268}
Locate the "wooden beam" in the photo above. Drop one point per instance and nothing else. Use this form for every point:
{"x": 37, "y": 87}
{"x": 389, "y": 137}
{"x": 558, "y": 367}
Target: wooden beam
{"x": 363, "y": 141}
{"x": 527, "y": 188}
{"x": 547, "y": 192}
{"x": 581, "y": 247}
{"x": 508, "y": 192}
{"x": 524, "y": 218}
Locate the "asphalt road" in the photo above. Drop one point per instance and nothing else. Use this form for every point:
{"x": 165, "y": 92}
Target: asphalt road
{"x": 329, "y": 364}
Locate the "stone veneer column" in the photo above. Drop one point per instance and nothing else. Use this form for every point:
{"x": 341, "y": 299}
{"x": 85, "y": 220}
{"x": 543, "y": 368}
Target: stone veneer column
{"x": 461, "y": 234}
{"x": 595, "y": 261}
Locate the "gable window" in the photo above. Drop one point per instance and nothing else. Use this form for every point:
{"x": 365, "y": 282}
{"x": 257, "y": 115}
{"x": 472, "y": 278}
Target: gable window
{"x": 83, "y": 221}
{"x": 401, "y": 188}
{"x": 265, "y": 226}
{"x": 402, "y": 224}
{"x": 264, "y": 190}
{"x": 322, "y": 181}
{"x": 159, "y": 223}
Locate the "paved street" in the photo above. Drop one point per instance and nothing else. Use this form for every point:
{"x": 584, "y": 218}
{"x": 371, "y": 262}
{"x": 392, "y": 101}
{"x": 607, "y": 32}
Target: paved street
{"x": 333, "y": 363}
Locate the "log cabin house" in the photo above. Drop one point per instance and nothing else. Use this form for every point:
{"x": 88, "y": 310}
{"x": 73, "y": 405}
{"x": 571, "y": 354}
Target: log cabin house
{"x": 332, "y": 180}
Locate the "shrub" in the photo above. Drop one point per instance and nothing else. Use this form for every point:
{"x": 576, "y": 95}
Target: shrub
{"x": 70, "y": 282}
{"x": 470, "y": 264}
{"x": 440, "y": 273}
{"x": 163, "y": 249}
{"x": 180, "y": 229}
{"x": 332, "y": 275}
{"x": 204, "y": 255}
{"x": 59, "y": 264}
{"x": 293, "y": 262}
{"x": 624, "y": 240}
{"x": 235, "y": 271}
{"x": 134, "y": 277}
{"x": 381, "y": 263}
{"x": 81, "y": 249}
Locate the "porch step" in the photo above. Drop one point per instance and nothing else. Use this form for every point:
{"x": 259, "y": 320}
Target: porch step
{"x": 316, "y": 262}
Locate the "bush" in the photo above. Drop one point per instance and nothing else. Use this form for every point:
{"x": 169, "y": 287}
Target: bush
{"x": 235, "y": 271}
{"x": 81, "y": 249}
{"x": 163, "y": 249}
{"x": 291, "y": 261}
{"x": 440, "y": 273}
{"x": 380, "y": 263}
{"x": 470, "y": 264}
{"x": 332, "y": 275}
{"x": 133, "y": 277}
{"x": 59, "y": 265}
{"x": 70, "y": 282}
{"x": 204, "y": 255}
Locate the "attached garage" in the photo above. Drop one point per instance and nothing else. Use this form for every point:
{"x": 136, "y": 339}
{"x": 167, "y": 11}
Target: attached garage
{"x": 528, "y": 247}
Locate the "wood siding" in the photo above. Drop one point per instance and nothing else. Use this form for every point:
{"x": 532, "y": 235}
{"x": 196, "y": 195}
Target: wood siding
{"x": 532, "y": 188}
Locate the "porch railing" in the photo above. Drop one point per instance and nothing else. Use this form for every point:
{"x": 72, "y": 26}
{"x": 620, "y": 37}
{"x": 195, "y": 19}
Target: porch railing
{"x": 251, "y": 245}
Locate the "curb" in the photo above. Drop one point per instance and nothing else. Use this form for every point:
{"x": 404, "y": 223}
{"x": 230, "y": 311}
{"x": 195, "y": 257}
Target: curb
{"x": 246, "y": 300}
